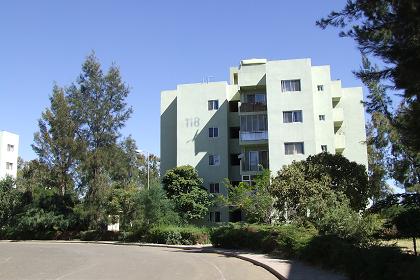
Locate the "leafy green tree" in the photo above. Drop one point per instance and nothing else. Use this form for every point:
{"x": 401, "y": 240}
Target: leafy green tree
{"x": 295, "y": 183}
{"x": 408, "y": 224}
{"x": 153, "y": 208}
{"x": 184, "y": 187}
{"x": 98, "y": 105}
{"x": 254, "y": 200}
{"x": 388, "y": 30}
{"x": 11, "y": 201}
{"x": 56, "y": 143}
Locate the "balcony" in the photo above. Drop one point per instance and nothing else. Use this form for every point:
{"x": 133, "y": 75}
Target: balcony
{"x": 249, "y": 136}
{"x": 252, "y": 107}
{"x": 338, "y": 116}
{"x": 254, "y": 161}
{"x": 339, "y": 142}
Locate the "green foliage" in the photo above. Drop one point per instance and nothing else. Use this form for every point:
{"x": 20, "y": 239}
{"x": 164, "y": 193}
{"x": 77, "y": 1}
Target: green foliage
{"x": 315, "y": 178}
{"x": 56, "y": 143}
{"x": 360, "y": 262}
{"x": 285, "y": 240}
{"x": 180, "y": 235}
{"x": 408, "y": 223}
{"x": 332, "y": 215}
{"x": 184, "y": 188}
{"x": 357, "y": 262}
{"x": 255, "y": 201}
{"x": 11, "y": 201}
{"x": 388, "y": 30}
{"x": 153, "y": 209}
{"x": 181, "y": 179}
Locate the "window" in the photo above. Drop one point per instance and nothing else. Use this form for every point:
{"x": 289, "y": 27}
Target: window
{"x": 233, "y": 106}
{"x": 10, "y": 148}
{"x": 234, "y": 132}
{"x": 292, "y": 116}
{"x": 235, "y": 78}
{"x": 235, "y": 160}
{"x": 217, "y": 217}
{"x": 290, "y": 85}
{"x": 214, "y": 188}
{"x": 324, "y": 148}
{"x": 214, "y": 217}
{"x": 321, "y": 117}
{"x": 254, "y": 123}
{"x": 9, "y": 165}
{"x": 293, "y": 148}
{"x": 213, "y": 104}
{"x": 256, "y": 98}
{"x": 320, "y": 87}
{"x": 214, "y": 160}
{"x": 213, "y": 132}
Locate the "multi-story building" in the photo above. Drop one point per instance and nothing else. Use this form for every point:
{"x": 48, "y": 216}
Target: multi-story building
{"x": 270, "y": 114}
{"x": 9, "y": 145}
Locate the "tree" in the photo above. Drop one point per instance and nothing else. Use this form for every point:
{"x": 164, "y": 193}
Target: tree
{"x": 184, "y": 187}
{"x": 343, "y": 175}
{"x": 387, "y": 150}
{"x": 408, "y": 224}
{"x": 254, "y": 200}
{"x": 296, "y": 183}
{"x": 11, "y": 201}
{"x": 97, "y": 102}
{"x": 390, "y": 31}
{"x": 56, "y": 143}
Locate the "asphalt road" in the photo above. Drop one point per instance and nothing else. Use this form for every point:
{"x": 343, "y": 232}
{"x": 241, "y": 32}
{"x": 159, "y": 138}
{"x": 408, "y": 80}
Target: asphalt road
{"x": 49, "y": 260}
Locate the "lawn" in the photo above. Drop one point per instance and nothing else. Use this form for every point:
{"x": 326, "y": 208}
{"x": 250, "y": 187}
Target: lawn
{"x": 405, "y": 244}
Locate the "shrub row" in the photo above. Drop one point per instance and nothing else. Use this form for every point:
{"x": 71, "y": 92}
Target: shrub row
{"x": 368, "y": 262}
{"x": 187, "y": 235}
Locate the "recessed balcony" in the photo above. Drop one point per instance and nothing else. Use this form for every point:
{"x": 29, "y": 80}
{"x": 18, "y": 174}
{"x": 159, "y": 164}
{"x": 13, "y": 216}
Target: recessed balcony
{"x": 338, "y": 116}
{"x": 340, "y": 142}
{"x": 247, "y": 107}
{"x": 253, "y": 136}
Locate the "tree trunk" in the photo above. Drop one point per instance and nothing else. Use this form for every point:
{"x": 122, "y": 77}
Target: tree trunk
{"x": 414, "y": 245}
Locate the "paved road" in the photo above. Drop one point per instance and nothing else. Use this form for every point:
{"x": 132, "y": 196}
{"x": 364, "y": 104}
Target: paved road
{"x": 64, "y": 261}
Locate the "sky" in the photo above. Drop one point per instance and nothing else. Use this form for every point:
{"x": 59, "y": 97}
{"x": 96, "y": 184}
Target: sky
{"x": 157, "y": 45}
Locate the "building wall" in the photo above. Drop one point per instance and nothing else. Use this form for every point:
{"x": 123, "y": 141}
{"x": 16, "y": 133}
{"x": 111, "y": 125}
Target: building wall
{"x": 278, "y": 101}
{"x": 7, "y": 138}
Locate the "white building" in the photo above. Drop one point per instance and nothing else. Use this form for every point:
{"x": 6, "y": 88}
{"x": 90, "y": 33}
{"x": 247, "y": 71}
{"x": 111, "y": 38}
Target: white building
{"x": 9, "y": 147}
{"x": 270, "y": 114}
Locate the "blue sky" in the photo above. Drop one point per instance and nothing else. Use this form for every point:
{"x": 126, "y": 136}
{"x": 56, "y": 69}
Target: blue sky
{"x": 157, "y": 45}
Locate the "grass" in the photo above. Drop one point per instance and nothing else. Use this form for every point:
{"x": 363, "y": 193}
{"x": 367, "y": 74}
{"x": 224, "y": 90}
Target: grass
{"x": 405, "y": 244}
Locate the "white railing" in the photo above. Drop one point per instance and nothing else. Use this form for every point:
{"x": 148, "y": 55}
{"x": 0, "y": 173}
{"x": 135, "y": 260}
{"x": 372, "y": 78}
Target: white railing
{"x": 253, "y": 135}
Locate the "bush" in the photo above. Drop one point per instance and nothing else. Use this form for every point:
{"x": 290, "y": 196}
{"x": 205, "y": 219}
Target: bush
{"x": 188, "y": 235}
{"x": 286, "y": 240}
{"x": 333, "y": 252}
{"x": 371, "y": 262}
{"x": 98, "y": 235}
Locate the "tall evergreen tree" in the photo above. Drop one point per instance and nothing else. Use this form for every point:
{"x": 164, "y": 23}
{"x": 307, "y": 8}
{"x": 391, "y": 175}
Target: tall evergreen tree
{"x": 98, "y": 104}
{"x": 390, "y": 31}
{"x": 56, "y": 142}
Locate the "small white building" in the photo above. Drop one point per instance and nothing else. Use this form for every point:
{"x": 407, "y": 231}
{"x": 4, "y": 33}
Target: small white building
{"x": 9, "y": 147}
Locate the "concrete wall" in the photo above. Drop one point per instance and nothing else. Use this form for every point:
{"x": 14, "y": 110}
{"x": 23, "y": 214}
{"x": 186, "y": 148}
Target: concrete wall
{"x": 278, "y": 101}
{"x": 7, "y": 138}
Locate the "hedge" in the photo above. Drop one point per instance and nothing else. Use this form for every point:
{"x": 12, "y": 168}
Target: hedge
{"x": 187, "y": 235}
{"x": 331, "y": 252}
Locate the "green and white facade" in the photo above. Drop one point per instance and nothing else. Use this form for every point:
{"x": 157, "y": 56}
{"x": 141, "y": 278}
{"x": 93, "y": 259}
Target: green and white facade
{"x": 270, "y": 114}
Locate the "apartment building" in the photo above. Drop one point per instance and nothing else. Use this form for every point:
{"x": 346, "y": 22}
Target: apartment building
{"x": 270, "y": 114}
{"x": 9, "y": 147}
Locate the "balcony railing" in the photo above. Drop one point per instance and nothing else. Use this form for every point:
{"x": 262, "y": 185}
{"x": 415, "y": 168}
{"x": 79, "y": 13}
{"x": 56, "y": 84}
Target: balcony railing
{"x": 253, "y": 107}
{"x": 253, "y": 135}
{"x": 246, "y": 167}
